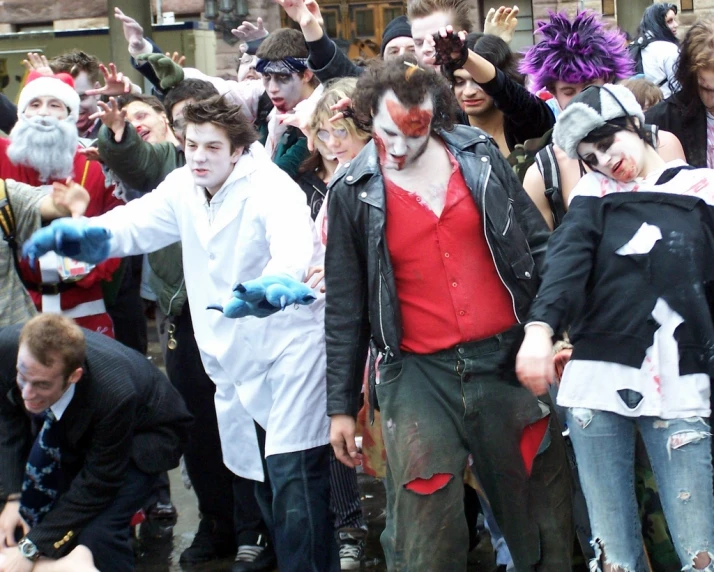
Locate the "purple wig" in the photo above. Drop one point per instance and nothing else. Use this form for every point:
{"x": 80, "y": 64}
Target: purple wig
{"x": 576, "y": 52}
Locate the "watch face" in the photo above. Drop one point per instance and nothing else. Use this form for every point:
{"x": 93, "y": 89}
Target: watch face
{"x": 28, "y": 549}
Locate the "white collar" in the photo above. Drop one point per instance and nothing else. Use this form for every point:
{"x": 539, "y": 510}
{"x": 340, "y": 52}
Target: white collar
{"x": 60, "y": 406}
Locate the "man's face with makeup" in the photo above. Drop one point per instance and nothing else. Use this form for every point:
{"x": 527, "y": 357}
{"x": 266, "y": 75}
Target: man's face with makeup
{"x": 284, "y": 90}
{"x": 401, "y": 133}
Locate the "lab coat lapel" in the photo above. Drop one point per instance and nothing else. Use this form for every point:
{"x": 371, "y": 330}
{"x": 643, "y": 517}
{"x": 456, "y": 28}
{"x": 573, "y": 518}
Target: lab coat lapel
{"x": 237, "y": 188}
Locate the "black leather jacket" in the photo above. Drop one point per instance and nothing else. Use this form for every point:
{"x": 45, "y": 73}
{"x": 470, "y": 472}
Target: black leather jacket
{"x": 362, "y": 302}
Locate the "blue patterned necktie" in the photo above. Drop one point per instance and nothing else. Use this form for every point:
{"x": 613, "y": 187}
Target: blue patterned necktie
{"x": 43, "y": 474}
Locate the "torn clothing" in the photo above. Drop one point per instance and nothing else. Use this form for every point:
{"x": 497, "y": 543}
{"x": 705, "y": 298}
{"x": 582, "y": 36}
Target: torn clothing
{"x": 628, "y": 272}
{"x": 680, "y": 453}
{"x": 436, "y": 410}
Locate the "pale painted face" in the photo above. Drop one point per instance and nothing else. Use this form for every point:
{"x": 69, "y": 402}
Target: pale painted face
{"x": 284, "y": 90}
{"x": 398, "y": 47}
{"x": 400, "y": 133}
{"x": 41, "y": 386}
{"x": 47, "y": 106}
{"x": 209, "y": 155}
{"x": 150, "y": 125}
{"x": 247, "y": 70}
{"x": 87, "y": 103}
{"x": 705, "y": 78}
{"x": 339, "y": 142}
{"x": 564, "y": 92}
{"x": 620, "y": 157}
{"x": 428, "y": 26}
{"x": 471, "y": 98}
{"x": 671, "y": 21}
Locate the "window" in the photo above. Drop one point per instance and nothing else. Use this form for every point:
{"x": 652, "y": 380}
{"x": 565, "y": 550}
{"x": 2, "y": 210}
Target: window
{"x": 608, "y": 7}
{"x": 330, "y": 19}
{"x": 687, "y": 5}
{"x": 390, "y": 13}
{"x": 364, "y": 23}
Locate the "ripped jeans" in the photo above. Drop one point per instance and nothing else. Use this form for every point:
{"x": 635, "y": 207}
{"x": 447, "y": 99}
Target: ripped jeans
{"x": 680, "y": 454}
{"x": 436, "y": 410}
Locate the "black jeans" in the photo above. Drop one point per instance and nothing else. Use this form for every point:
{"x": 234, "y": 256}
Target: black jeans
{"x": 436, "y": 410}
{"x": 222, "y": 496}
{"x": 295, "y": 500}
{"x": 108, "y": 535}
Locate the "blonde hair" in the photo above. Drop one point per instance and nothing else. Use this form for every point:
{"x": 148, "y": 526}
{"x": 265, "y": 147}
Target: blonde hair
{"x": 335, "y": 91}
{"x": 52, "y": 337}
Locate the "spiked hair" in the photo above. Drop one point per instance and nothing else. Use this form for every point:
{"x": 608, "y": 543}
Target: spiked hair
{"x": 577, "y": 51}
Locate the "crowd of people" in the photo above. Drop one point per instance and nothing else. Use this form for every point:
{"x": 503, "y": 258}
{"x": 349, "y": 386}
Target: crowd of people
{"x": 493, "y": 268}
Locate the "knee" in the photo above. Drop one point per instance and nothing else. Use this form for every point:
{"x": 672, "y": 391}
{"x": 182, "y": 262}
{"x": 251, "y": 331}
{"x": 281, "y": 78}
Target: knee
{"x": 429, "y": 485}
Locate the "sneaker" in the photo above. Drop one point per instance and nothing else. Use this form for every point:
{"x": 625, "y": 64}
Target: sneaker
{"x": 211, "y": 542}
{"x": 255, "y": 557}
{"x": 351, "y": 543}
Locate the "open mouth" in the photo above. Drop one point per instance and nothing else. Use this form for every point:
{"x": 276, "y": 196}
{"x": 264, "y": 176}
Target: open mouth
{"x": 144, "y": 134}
{"x": 617, "y": 167}
{"x": 200, "y": 172}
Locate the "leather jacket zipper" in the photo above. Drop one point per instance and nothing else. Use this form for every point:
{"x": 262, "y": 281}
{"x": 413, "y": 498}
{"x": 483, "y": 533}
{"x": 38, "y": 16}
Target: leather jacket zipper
{"x": 387, "y": 349}
{"x": 490, "y": 248}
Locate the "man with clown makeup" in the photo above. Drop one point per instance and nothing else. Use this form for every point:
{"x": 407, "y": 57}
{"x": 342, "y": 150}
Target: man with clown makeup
{"x": 433, "y": 260}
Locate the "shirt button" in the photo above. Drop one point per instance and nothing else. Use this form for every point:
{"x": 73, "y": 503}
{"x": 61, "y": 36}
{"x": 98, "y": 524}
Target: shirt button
{"x": 363, "y": 195}
{"x": 527, "y": 275}
{"x": 212, "y": 256}
{"x": 418, "y": 199}
{"x": 462, "y": 313}
{"x": 350, "y": 178}
{"x": 454, "y": 284}
{"x": 482, "y": 137}
{"x": 484, "y": 159}
{"x": 345, "y": 165}
{"x": 446, "y": 255}
{"x": 461, "y": 350}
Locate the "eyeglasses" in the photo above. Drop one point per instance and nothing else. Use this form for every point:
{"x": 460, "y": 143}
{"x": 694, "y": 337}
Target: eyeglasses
{"x": 339, "y": 133}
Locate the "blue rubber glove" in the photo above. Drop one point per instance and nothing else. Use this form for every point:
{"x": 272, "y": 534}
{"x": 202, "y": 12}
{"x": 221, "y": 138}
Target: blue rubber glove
{"x": 69, "y": 237}
{"x": 264, "y": 296}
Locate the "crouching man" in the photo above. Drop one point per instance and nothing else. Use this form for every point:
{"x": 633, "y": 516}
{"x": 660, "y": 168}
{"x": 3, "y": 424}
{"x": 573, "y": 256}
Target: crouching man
{"x": 86, "y": 426}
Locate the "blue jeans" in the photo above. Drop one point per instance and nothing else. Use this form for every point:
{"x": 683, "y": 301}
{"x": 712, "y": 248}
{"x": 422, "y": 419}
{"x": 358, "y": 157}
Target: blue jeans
{"x": 295, "y": 502}
{"x": 680, "y": 453}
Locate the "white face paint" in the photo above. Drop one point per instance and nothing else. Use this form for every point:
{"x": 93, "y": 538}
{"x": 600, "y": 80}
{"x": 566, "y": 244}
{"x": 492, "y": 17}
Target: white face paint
{"x": 401, "y": 133}
{"x": 209, "y": 155}
{"x": 620, "y": 157}
{"x": 284, "y": 90}
{"x": 427, "y": 26}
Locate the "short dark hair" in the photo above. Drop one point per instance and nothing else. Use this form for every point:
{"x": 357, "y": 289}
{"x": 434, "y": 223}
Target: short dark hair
{"x": 76, "y": 62}
{"x": 53, "y": 337}
{"x": 459, "y": 9}
{"x": 411, "y": 84}
{"x": 281, "y": 44}
{"x": 149, "y": 100}
{"x": 229, "y": 117}
{"x": 196, "y": 89}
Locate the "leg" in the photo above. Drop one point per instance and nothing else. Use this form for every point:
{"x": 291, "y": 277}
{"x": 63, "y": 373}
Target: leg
{"x": 519, "y": 457}
{"x": 680, "y": 453}
{"x": 127, "y": 311}
{"x": 346, "y": 508}
{"x": 107, "y": 536}
{"x": 422, "y": 411}
{"x": 605, "y": 447}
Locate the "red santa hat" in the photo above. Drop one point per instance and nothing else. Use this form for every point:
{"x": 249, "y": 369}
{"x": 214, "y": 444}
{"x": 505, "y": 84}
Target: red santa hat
{"x": 59, "y": 86}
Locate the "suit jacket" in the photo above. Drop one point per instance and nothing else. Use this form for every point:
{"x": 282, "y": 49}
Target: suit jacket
{"x": 124, "y": 409}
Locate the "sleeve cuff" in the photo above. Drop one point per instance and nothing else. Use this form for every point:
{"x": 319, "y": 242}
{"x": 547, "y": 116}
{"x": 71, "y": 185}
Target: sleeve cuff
{"x": 146, "y": 49}
{"x": 324, "y": 49}
{"x": 541, "y": 324}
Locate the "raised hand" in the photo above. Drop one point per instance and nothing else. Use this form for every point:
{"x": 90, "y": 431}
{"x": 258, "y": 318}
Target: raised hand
{"x": 115, "y": 83}
{"x": 450, "y": 48}
{"x": 247, "y": 31}
{"x": 37, "y": 63}
{"x": 70, "y": 196}
{"x": 297, "y": 11}
{"x": 177, "y": 58}
{"x": 169, "y": 72}
{"x": 69, "y": 237}
{"x": 501, "y": 22}
{"x": 302, "y": 122}
{"x": 133, "y": 32}
{"x": 111, "y": 116}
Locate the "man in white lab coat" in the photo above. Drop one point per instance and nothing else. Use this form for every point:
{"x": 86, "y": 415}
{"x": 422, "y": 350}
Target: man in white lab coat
{"x": 240, "y": 217}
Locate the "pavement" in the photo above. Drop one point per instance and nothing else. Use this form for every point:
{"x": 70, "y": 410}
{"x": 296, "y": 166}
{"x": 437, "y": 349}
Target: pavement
{"x": 159, "y": 547}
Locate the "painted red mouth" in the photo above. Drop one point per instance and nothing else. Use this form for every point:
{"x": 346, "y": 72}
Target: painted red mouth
{"x": 200, "y": 172}
{"x": 617, "y": 167}
{"x": 473, "y": 102}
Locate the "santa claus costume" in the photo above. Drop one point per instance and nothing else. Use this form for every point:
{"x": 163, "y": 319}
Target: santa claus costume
{"x": 38, "y": 153}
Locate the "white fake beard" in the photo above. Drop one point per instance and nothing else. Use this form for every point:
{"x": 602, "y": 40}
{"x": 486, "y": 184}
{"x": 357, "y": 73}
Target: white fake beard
{"x": 46, "y": 144}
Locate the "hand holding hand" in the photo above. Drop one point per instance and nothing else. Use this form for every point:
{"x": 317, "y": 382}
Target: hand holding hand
{"x": 534, "y": 362}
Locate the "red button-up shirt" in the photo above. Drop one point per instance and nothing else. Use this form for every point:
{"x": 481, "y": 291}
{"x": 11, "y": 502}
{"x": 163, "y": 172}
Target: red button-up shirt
{"x": 448, "y": 287}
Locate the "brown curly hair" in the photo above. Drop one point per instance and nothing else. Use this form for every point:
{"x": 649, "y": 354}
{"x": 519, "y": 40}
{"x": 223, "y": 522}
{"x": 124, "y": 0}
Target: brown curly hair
{"x": 230, "y": 118}
{"x": 411, "y": 84}
{"x": 76, "y": 62}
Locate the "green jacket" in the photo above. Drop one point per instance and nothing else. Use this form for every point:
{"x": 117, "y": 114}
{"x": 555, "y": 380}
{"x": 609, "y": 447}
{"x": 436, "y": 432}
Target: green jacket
{"x": 143, "y": 166}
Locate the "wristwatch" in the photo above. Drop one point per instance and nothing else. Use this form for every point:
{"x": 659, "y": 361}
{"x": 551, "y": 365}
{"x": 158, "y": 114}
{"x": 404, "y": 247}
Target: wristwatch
{"x": 28, "y": 549}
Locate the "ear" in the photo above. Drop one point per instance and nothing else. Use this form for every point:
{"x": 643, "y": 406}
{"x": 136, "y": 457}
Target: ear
{"x": 76, "y": 375}
{"x": 307, "y": 76}
{"x": 236, "y": 154}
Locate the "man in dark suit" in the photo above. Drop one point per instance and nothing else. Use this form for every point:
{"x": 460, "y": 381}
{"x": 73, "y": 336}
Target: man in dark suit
{"x": 86, "y": 426}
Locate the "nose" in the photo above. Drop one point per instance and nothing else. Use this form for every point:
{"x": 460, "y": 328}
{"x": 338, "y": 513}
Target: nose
{"x": 273, "y": 86}
{"x": 399, "y": 147}
{"x": 333, "y": 143}
{"x": 603, "y": 159}
{"x": 199, "y": 156}
{"x": 27, "y": 392}
{"x": 472, "y": 88}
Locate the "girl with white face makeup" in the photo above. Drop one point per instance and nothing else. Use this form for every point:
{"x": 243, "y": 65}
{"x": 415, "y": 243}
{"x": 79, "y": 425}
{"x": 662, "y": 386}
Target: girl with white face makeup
{"x": 626, "y": 272}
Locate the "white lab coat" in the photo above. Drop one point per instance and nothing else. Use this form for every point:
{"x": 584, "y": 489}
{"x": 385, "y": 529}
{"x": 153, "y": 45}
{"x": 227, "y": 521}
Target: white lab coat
{"x": 271, "y": 370}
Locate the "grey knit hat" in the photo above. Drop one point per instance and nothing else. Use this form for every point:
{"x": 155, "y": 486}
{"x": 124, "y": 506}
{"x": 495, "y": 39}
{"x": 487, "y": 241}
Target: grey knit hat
{"x": 592, "y": 108}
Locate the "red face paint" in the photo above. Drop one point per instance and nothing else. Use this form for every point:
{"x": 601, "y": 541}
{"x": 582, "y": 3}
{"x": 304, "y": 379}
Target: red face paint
{"x": 413, "y": 122}
{"x": 381, "y": 149}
